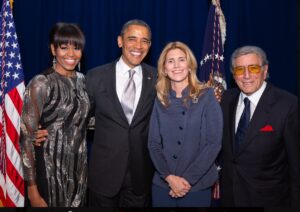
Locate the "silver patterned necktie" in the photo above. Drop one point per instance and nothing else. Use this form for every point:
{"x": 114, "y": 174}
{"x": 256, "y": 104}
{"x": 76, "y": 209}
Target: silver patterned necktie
{"x": 128, "y": 96}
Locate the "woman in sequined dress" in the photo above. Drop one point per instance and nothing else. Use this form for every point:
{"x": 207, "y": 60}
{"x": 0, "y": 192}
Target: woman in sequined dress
{"x": 56, "y": 171}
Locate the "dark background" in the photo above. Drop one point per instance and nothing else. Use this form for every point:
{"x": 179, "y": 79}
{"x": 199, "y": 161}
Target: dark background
{"x": 269, "y": 24}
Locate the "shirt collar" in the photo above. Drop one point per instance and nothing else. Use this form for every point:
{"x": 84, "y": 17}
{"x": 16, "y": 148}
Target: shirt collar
{"x": 124, "y": 68}
{"x": 254, "y": 98}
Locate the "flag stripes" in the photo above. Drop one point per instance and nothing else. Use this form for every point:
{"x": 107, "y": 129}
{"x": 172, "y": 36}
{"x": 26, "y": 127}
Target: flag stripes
{"x": 11, "y": 98}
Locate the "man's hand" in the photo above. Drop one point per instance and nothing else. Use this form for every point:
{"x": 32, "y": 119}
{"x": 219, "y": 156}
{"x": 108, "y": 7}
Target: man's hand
{"x": 40, "y": 136}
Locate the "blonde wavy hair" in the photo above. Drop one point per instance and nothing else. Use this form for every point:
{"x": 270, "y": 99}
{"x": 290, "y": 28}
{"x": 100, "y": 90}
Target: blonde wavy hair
{"x": 163, "y": 84}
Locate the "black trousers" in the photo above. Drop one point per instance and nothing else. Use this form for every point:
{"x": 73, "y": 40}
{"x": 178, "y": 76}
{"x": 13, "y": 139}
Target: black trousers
{"x": 125, "y": 197}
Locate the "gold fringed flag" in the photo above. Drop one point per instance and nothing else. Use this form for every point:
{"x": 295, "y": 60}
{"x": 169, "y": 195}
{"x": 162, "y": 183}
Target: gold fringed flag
{"x": 212, "y": 60}
{"x": 11, "y": 101}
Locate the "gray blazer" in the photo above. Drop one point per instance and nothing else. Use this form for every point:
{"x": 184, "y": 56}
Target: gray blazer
{"x": 185, "y": 140}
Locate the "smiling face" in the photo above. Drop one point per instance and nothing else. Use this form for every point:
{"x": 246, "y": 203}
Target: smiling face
{"x": 176, "y": 67}
{"x": 135, "y": 44}
{"x": 67, "y": 58}
{"x": 250, "y": 82}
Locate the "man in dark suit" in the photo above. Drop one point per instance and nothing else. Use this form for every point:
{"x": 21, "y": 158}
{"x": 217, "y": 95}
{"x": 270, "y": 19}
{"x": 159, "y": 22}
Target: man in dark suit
{"x": 120, "y": 169}
{"x": 260, "y": 156}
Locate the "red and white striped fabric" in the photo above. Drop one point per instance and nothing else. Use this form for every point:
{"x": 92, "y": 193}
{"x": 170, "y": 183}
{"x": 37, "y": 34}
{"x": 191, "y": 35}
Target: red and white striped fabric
{"x": 11, "y": 182}
{"x": 11, "y": 102}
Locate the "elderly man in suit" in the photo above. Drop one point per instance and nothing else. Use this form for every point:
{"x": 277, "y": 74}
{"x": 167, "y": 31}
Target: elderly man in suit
{"x": 260, "y": 142}
{"x": 120, "y": 169}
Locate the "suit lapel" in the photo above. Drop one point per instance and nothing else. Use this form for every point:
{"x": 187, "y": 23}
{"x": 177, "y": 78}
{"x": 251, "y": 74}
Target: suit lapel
{"x": 260, "y": 117}
{"x": 112, "y": 93}
{"x": 147, "y": 89}
{"x": 232, "y": 110}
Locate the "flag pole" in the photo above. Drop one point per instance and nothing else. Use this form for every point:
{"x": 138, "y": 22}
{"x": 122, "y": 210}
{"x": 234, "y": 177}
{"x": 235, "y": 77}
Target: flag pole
{"x": 3, "y": 130}
{"x": 221, "y": 20}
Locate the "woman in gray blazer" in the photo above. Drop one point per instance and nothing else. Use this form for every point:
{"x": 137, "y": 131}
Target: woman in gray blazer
{"x": 185, "y": 132}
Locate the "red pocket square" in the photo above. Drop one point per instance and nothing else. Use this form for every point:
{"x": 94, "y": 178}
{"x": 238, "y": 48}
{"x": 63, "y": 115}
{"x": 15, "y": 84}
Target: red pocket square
{"x": 267, "y": 128}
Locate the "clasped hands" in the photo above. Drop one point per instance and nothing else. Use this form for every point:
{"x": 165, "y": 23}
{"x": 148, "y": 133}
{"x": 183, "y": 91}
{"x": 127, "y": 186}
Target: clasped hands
{"x": 179, "y": 186}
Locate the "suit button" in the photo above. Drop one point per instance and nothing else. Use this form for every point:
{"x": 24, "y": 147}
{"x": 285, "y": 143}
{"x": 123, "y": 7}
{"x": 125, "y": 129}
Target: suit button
{"x": 175, "y": 156}
{"x": 183, "y": 113}
{"x": 179, "y": 142}
{"x": 181, "y": 128}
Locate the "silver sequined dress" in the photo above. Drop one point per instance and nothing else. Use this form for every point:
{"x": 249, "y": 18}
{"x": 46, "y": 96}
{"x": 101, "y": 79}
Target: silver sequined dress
{"x": 58, "y": 167}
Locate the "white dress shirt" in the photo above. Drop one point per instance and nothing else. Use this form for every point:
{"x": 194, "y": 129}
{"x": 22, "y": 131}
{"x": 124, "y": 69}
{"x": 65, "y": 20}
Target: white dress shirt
{"x": 254, "y": 99}
{"x": 122, "y": 76}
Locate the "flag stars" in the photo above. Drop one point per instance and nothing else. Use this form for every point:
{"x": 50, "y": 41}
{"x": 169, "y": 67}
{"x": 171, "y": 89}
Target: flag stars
{"x": 211, "y": 57}
{"x": 8, "y": 34}
{"x": 9, "y": 64}
{"x": 18, "y": 66}
{"x": 206, "y": 57}
{"x": 12, "y": 55}
{"x": 7, "y": 74}
{"x": 14, "y": 45}
{"x": 15, "y": 75}
{"x": 10, "y": 24}
{"x": 10, "y": 58}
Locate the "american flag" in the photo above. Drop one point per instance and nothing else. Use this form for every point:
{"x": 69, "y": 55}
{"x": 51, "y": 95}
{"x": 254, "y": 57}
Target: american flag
{"x": 212, "y": 61}
{"x": 11, "y": 100}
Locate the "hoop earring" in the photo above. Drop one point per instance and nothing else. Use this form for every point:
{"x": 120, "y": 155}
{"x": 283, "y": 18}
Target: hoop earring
{"x": 54, "y": 62}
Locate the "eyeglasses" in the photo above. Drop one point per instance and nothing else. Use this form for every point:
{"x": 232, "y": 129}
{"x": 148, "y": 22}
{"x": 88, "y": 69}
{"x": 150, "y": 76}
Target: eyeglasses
{"x": 253, "y": 69}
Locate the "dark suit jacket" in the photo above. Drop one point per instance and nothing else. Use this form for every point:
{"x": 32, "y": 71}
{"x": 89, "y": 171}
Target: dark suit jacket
{"x": 118, "y": 146}
{"x": 265, "y": 172}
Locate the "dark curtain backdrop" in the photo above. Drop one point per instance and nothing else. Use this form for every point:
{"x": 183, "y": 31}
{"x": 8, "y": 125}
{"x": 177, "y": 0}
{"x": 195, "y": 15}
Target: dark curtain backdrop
{"x": 267, "y": 23}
